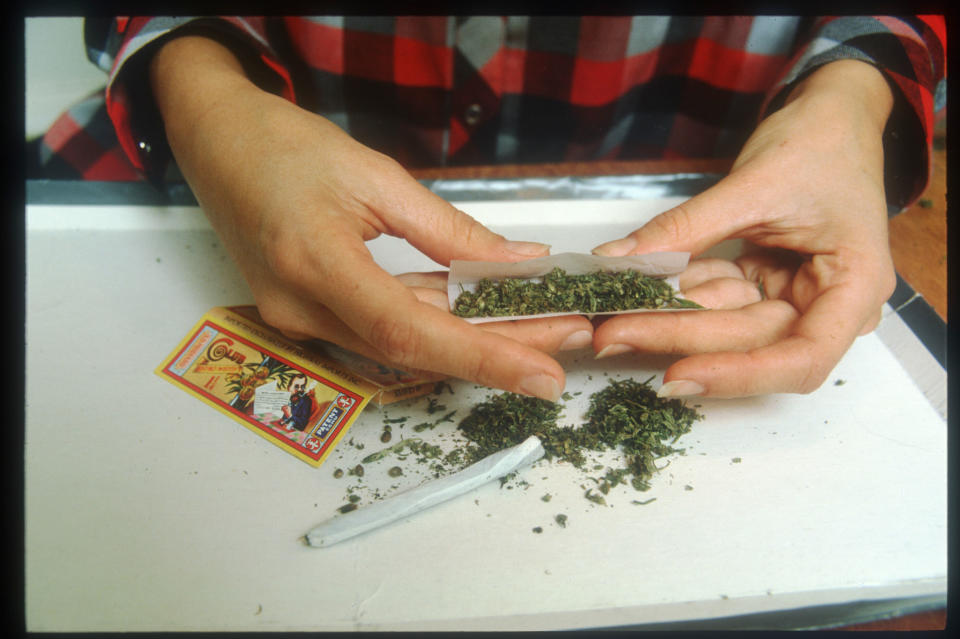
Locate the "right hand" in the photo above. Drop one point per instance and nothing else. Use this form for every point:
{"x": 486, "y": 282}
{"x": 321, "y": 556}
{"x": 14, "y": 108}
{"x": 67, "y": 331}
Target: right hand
{"x": 294, "y": 199}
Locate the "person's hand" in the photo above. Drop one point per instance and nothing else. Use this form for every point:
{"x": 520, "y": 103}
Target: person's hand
{"x": 294, "y": 199}
{"x": 807, "y": 195}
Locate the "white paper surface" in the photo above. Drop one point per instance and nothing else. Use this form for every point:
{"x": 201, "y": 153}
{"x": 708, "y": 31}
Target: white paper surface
{"x": 465, "y": 275}
{"x": 146, "y": 510}
{"x": 267, "y": 399}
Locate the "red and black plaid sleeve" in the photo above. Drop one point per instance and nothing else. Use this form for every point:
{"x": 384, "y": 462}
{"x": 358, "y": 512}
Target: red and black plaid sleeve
{"x": 911, "y": 52}
{"x": 435, "y": 91}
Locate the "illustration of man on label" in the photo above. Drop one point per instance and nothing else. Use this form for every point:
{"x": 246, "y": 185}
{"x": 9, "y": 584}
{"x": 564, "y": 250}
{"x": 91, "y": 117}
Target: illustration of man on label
{"x": 301, "y": 407}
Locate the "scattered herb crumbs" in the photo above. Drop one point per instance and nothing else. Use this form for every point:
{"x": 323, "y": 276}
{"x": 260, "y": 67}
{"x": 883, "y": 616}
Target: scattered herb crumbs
{"x": 595, "y": 498}
{"x": 644, "y": 503}
{"x": 347, "y": 508}
{"x": 395, "y": 448}
{"x": 338, "y": 473}
{"x": 625, "y": 415}
{"x": 439, "y": 387}
{"x": 537, "y": 529}
{"x": 354, "y": 498}
{"x": 840, "y": 382}
{"x": 561, "y": 520}
{"x": 736, "y": 460}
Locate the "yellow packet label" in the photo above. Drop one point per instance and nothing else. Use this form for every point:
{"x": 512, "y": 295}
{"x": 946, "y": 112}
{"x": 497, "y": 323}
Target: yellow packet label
{"x": 268, "y": 384}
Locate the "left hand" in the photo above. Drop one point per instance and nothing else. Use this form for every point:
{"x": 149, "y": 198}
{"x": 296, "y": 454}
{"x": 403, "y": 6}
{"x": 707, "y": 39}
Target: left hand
{"x": 807, "y": 192}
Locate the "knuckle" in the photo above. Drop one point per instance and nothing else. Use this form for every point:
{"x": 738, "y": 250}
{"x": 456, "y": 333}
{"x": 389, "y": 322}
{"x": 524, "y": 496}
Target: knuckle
{"x": 481, "y": 369}
{"x": 887, "y": 284}
{"x": 468, "y": 231}
{"x": 279, "y": 318}
{"x": 282, "y": 258}
{"x": 675, "y": 223}
{"x": 469, "y": 228}
{"x": 814, "y": 374}
{"x": 398, "y": 339}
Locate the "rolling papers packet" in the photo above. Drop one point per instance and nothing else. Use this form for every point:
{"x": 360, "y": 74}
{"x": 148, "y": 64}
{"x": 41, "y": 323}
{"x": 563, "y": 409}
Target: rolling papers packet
{"x": 301, "y": 396}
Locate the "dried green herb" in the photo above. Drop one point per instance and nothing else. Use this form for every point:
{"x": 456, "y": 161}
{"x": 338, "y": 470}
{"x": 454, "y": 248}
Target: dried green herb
{"x": 380, "y": 454}
{"x": 347, "y": 508}
{"x": 396, "y": 471}
{"x": 505, "y": 420}
{"x": 625, "y": 414}
{"x": 595, "y": 498}
{"x": 629, "y": 414}
{"x": 439, "y": 387}
{"x": 559, "y": 292}
{"x": 561, "y": 520}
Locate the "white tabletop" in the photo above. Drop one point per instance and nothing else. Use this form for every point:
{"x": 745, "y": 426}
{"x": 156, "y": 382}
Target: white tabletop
{"x": 148, "y": 510}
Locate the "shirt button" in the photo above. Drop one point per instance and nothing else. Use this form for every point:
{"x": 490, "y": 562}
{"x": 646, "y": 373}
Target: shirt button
{"x": 472, "y": 115}
{"x": 144, "y": 146}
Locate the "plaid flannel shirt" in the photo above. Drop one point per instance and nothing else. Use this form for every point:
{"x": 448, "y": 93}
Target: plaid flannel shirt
{"x": 445, "y": 91}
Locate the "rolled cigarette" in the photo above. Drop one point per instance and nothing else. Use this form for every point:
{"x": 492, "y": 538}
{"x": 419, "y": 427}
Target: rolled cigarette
{"x": 426, "y": 495}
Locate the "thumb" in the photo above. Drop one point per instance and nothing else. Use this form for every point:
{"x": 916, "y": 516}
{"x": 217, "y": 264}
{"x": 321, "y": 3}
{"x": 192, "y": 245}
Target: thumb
{"x": 444, "y": 232}
{"x": 693, "y": 226}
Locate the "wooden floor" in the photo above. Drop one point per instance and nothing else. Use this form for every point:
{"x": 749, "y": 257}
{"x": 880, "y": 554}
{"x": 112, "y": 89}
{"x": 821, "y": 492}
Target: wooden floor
{"x": 918, "y": 236}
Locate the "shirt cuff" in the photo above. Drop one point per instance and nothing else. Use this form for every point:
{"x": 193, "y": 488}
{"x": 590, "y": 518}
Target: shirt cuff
{"x": 908, "y": 135}
{"x": 129, "y": 99}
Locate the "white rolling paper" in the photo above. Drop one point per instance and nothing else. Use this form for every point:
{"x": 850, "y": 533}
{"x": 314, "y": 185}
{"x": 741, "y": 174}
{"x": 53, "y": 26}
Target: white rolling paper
{"x": 426, "y": 495}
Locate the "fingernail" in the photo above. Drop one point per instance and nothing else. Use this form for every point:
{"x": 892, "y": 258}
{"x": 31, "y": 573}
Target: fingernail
{"x": 616, "y": 247}
{"x": 577, "y": 339}
{"x": 542, "y": 386}
{"x": 613, "y": 349}
{"x": 528, "y": 249}
{"x": 680, "y": 388}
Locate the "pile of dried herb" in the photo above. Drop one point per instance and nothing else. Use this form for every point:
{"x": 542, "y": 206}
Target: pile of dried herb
{"x": 506, "y": 420}
{"x": 626, "y": 414}
{"x": 559, "y": 292}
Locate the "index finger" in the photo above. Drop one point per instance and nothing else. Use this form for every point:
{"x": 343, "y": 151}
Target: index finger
{"x": 419, "y": 335}
{"x": 799, "y": 363}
